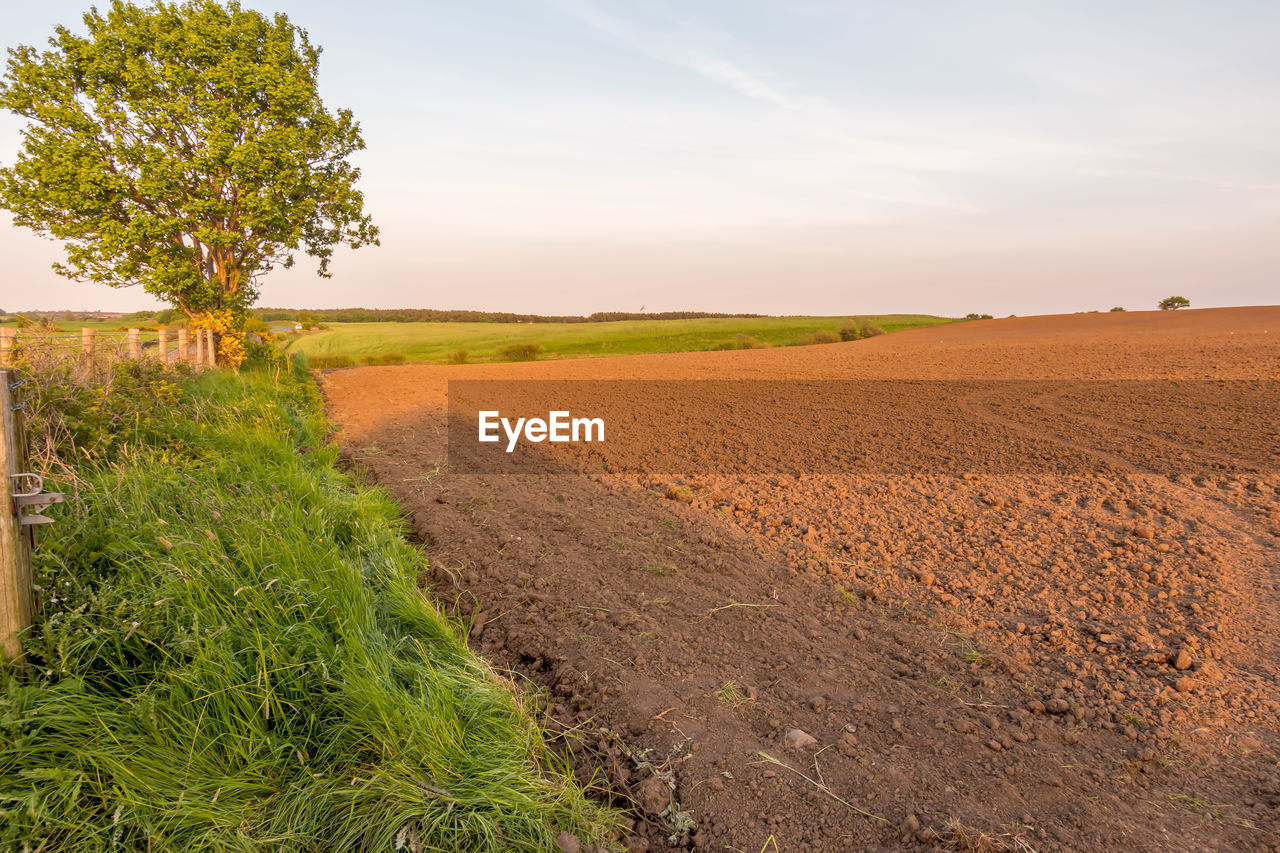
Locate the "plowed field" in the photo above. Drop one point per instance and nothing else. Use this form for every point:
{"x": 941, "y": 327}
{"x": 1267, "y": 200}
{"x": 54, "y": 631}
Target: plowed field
{"x": 1003, "y": 585}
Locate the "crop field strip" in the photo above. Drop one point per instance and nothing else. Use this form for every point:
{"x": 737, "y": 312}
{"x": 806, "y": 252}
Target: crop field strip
{"x": 438, "y": 342}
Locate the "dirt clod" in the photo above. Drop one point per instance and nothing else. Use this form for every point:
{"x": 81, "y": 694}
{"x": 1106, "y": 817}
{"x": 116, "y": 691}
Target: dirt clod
{"x": 653, "y": 795}
{"x": 799, "y": 739}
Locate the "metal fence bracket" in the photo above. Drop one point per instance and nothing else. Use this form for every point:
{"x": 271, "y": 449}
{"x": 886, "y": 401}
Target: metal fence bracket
{"x": 30, "y": 499}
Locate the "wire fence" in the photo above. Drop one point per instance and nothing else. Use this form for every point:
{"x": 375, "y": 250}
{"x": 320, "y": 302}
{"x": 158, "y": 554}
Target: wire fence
{"x": 90, "y": 349}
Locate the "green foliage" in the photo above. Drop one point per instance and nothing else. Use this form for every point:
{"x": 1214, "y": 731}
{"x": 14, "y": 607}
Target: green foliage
{"x": 330, "y": 362}
{"x": 740, "y": 341}
{"x": 822, "y": 336}
{"x": 1172, "y": 303}
{"x": 383, "y": 358}
{"x": 234, "y": 655}
{"x": 977, "y": 316}
{"x": 1118, "y": 308}
{"x": 858, "y": 328}
{"x": 266, "y": 356}
{"x": 848, "y": 596}
{"x": 184, "y": 147}
{"x": 75, "y": 418}
{"x": 524, "y": 351}
{"x": 458, "y": 357}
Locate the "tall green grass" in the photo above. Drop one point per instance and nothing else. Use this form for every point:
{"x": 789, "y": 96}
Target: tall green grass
{"x": 234, "y": 655}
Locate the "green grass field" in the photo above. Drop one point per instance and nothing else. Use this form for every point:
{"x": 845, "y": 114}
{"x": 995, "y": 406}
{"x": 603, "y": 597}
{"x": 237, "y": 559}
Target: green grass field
{"x": 426, "y": 342}
{"x": 233, "y": 652}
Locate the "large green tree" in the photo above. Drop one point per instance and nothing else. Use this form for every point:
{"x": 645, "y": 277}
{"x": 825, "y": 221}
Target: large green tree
{"x": 183, "y": 147}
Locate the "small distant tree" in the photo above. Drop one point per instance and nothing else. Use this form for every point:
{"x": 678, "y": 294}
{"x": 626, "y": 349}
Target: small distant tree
{"x": 1173, "y": 303}
{"x": 977, "y": 316}
{"x": 1117, "y": 308}
{"x": 183, "y": 147}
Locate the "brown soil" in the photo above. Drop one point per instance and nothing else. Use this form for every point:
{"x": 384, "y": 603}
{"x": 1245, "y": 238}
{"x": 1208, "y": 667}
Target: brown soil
{"x": 1011, "y": 659}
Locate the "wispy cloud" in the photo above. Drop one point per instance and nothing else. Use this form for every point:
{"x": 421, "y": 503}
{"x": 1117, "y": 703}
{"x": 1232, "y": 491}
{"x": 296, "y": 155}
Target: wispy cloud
{"x": 750, "y": 84}
{"x": 897, "y": 172}
{"x": 667, "y": 47}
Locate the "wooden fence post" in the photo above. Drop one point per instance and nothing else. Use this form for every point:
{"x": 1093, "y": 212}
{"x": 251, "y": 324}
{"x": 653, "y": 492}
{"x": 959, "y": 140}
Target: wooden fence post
{"x": 86, "y": 344}
{"x": 162, "y": 345}
{"x": 184, "y": 346}
{"x": 8, "y": 337}
{"x": 135, "y": 344}
{"x": 15, "y": 553}
{"x": 210, "y": 349}
{"x": 199, "y": 347}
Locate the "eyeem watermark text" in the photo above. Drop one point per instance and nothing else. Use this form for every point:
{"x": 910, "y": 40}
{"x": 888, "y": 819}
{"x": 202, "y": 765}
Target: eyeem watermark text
{"x": 559, "y": 427}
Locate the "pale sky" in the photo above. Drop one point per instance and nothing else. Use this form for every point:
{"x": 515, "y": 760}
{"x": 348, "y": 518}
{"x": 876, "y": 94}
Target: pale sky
{"x": 796, "y": 156}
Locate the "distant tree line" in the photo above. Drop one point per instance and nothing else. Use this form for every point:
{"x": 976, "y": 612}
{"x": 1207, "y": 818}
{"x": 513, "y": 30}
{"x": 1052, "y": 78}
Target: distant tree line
{"x": 162, "y": 314}
{"x": 437, "y": 315}
{"x": 318, "y": 316}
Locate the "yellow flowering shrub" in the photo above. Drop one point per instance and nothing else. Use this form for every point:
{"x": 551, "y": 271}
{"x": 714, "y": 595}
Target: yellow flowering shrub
{"x": 228, "y": 327}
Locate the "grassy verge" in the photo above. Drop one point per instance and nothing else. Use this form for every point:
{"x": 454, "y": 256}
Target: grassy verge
{"x": 437, "y": 342}
{"x": 234, "y": 654}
